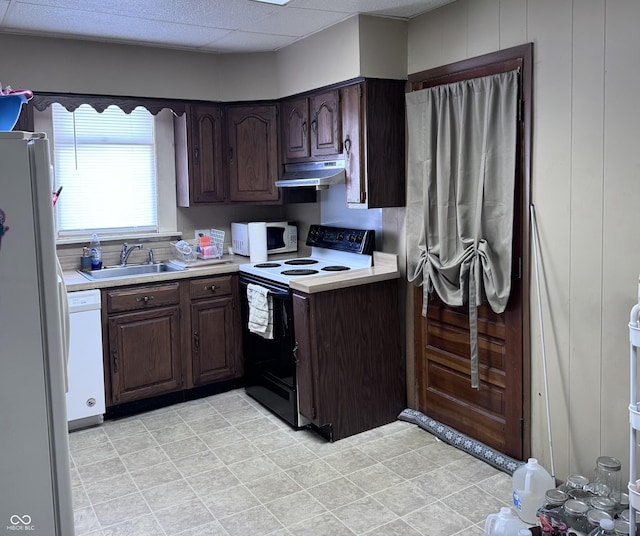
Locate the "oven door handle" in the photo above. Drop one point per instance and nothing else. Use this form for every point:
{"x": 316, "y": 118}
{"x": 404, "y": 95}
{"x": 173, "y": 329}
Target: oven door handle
{"x": 295, "y": 353}
{"x": 273, "y": 290}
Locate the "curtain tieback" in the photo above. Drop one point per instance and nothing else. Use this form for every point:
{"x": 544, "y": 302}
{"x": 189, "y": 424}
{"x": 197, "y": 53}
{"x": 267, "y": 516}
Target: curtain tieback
{"x": 473, "y": 322}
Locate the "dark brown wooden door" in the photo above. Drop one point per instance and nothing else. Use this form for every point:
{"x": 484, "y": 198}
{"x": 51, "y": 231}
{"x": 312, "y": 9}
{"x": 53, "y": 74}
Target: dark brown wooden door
{"x": 295, "y": 129}
{"x": 325, "y": 124}
{"x": 207, "y": 181}
{"x": 145, "y": 353}
{"x": 498, "y": 414}
{"x": 215, "y": 354}
{"x": 253, "y": 153}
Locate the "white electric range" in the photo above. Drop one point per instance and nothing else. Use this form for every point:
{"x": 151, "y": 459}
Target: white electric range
{"x": 333, "y": 249}
{"x": 270, "y": 363}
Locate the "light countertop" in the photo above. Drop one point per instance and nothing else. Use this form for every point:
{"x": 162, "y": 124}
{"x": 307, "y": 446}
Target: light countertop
{"x": 385, "y": 267}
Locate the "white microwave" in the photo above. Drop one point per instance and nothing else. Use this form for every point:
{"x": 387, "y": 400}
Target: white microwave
{"x": 282, "y": 237}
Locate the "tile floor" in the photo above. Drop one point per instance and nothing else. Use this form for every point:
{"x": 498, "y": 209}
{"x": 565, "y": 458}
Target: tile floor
{"x": 224, "y": 466}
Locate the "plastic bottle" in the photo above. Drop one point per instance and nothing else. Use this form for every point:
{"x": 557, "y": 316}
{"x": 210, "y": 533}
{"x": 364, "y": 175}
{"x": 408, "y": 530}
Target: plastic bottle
{"x": 530, "y": 482}
{"x": 606, "y": 528}
{"x": 504, "y": 523}
{"x": 96, "y": 252}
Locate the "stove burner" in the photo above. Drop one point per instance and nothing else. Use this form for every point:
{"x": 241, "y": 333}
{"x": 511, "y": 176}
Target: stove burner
{"x": 299, "y": 271}
{"x": 299, "y": 262}
{"x": 267, "y": 265}
{"x": 335, "y": 268}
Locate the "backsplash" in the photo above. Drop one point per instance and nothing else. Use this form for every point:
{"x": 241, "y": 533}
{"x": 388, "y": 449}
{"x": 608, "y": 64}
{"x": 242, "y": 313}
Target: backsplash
{"x": 69, "y": 254}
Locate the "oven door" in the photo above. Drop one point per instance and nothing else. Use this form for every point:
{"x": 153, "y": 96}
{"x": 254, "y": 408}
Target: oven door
{"x": 270, "y": 371}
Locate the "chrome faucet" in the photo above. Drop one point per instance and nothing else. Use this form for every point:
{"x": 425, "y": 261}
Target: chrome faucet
{"x": 126, "y": 251}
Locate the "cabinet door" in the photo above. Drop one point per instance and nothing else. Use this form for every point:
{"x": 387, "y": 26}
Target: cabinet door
{"x": 295, "y": 129}
{"x": 199, "y": 156}
{"x": 376, "y": 163}
{"x": 144, "y": 350}
{"x": 352, "y": 122}
{"x": 325, "y": 124}
{"x": 304, "y": 369}
{"x": 206, "y": 154}
{"x": 215, "y": 354}
{"x": 253, "y": 153}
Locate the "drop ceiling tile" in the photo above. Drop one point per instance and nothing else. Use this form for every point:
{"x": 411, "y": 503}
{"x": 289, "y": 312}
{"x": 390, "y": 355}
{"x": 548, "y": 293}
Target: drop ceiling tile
{"x": 229, "y": 14}
{"x": 194, "y": 24}
{"x": 56, "y": 21}
{"x": 248, "y": 42}
{"x": 296, "y": 22}
{"x": 395, "y": 8}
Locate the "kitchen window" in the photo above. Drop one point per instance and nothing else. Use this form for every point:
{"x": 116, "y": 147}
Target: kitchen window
{"x": 116, "y": 168}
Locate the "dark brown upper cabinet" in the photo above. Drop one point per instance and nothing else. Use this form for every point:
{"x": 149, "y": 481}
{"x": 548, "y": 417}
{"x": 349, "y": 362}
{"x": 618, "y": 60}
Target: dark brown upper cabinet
{"x": 295, "y": 130}
{"x": 325, "y": 124}
{"x": 373, "y": 123}
{"x": 199, "y": 155}
{"x": 253, "y": 153}
{"x": 311, "y": 127}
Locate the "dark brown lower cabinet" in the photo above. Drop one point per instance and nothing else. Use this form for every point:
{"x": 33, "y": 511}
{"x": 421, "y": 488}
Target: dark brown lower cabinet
{"x": 144, "y": 342}
{"x": 167, "y": 337}
{"x": 216, "y": 348}
{"x": 349, "y": 360}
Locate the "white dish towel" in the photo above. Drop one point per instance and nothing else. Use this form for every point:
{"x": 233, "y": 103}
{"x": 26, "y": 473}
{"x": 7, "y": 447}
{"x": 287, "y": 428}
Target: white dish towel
{"x": 260, "y": 311}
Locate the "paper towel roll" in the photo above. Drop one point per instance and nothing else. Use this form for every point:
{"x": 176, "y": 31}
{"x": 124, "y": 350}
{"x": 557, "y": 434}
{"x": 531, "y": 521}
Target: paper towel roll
{"x": 258, "y": 242}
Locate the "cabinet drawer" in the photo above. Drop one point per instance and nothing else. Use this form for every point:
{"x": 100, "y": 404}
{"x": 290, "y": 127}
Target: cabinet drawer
{"x": 146, "y": 297}
{"x": 210, "y": 286}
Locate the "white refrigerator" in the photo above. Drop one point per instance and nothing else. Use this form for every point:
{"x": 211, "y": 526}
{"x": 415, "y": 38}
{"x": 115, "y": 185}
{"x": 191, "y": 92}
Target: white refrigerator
{"x": 35, "y": 482}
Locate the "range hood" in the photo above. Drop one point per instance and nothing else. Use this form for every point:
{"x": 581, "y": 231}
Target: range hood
{"x": 316, "y": 174}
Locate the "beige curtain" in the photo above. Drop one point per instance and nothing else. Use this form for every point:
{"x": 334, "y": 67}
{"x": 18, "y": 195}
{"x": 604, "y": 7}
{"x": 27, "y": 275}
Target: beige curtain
{"x": 460, "y": 194}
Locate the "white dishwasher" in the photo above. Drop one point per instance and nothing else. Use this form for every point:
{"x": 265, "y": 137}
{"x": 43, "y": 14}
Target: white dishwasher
{"x": 85, "y": 395}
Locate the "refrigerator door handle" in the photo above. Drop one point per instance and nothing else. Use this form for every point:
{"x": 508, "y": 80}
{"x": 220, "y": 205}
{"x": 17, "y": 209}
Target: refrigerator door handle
{"x": 65, "y": 321}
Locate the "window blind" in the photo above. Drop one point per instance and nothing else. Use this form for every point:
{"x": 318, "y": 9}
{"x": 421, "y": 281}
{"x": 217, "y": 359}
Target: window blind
{"x": 106, "y": 163}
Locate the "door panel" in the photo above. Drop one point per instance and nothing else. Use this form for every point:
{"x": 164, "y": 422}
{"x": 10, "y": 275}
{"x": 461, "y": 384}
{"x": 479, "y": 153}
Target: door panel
{"x": 491, "y": 414}
{"x": 213, "y": 353}
{"x": 253, "y": 153}
{"x": 295, "y": 133}
{"x": 325, "y": 124}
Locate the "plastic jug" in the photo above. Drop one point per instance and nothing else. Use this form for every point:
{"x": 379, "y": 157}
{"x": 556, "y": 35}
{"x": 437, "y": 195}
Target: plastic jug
{"x": 530, "y": 482}
{"x": 504, "y": 523}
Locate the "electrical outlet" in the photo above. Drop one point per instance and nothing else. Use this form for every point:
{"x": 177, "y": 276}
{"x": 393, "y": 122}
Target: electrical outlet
{"x": 205, "y": 232}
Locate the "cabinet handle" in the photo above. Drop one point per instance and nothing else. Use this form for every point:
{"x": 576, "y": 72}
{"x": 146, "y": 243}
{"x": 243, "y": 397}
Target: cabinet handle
{"x": 212, "y": 288}
{"x": 196, "y": 153}
{"x": 231, "y": 154}
{"x": 347, "y": 146}
{"x": 314, "y": 126}
{"x": 295, "y": 353}
{"x": 115, "y": 361}
{"x": 145, "y": 299}
{"x": 196, "y": 342}
{"x": 304, "y": 128}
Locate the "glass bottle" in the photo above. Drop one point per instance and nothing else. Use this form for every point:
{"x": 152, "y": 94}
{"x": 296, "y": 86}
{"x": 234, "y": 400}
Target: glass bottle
{"x": 594, "y": 516}
{"x": 575, "y": 513}
{"x": 607, "y": 477}
{"x": 606, "y": 504}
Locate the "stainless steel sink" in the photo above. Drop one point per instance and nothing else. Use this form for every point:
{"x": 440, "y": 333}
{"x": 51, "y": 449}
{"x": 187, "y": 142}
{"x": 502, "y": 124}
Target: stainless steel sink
{"x": 117, "y": 272}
